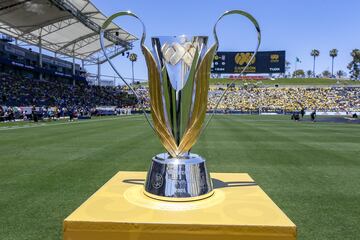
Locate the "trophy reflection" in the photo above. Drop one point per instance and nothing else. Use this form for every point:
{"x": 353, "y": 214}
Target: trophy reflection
{"x": 179, "y": 73}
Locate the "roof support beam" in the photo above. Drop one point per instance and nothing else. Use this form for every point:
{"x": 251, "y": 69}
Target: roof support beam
{"x": 113, "y": 54}
{"x": 69, "y": 7}
{"x": 112, "y": 51}
{"x": 52, "y": 26}
{"x": 82, "y": 44}
{"x": 86, "y": 38}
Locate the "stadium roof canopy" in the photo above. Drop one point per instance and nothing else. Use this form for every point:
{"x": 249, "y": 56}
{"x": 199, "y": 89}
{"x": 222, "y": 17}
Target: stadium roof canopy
{"x": 66, "y": 27}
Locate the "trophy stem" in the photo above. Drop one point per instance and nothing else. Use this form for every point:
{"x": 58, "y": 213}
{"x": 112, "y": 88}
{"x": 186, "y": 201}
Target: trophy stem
{"x": 178, "y": 179}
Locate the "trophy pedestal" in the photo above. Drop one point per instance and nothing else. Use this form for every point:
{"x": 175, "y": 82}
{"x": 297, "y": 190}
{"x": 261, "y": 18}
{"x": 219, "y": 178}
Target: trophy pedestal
{"x": 238, "y": 209}
{"x": 178, "y": 180}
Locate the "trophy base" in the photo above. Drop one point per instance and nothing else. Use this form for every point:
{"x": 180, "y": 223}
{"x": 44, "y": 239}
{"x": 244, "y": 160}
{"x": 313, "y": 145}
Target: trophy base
{"x": 178, "y": 179}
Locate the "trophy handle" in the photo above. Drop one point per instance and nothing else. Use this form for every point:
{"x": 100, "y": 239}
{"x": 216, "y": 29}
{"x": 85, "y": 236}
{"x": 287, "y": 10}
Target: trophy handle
{"x": 257, "y": 27}
{"x": 102, "y": 33}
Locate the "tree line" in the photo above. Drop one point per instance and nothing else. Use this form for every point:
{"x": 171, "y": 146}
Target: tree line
{"x": 353, "y": 66}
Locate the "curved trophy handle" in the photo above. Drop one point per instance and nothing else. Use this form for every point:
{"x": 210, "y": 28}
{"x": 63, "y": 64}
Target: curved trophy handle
{"x": 257, "y": 27}
{"x": 102, "y": 33}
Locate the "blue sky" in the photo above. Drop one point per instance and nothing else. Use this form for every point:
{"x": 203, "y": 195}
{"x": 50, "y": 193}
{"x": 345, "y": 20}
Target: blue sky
{"x": 292, "y": 25}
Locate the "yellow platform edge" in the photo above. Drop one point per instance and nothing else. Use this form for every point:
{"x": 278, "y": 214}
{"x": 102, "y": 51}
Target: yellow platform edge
{"x": 88, "y": 222}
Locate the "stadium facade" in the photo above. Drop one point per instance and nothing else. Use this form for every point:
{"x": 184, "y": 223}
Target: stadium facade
{"x": 25, "y": 62}
{"x": 68, "y": 28}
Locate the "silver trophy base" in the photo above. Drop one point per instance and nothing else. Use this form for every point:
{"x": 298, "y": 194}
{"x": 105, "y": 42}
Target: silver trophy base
{"x": 178, "y": 179}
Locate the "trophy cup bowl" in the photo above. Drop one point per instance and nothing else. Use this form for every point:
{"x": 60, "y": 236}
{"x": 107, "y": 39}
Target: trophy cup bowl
{"x": 178, "y": 72}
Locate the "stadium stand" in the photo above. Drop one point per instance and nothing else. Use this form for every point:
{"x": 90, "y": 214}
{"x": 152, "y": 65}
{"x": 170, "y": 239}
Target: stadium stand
{"x": 18, "y": 93}
{"x": 35, "y": 85}
{"x": 49, "y": 86}
{"x": 280, "y": 100}
{"x": 329, "y": 99}
{"x": 21, "y": 93}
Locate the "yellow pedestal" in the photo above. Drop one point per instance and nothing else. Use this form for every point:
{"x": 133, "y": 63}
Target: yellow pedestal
{"x": 239, "y": 209}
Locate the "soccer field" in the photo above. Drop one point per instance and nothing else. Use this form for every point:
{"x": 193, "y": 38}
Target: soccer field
{"x": 311, "y": 170}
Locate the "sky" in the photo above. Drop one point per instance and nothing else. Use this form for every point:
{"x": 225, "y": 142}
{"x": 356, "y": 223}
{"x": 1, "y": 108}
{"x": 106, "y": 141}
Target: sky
{"x": 291, "y": 25}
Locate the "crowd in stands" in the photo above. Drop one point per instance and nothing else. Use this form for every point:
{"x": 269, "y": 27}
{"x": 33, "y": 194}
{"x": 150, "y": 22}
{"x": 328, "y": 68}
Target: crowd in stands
{"x": 55, "y": 97}
{"x": 20, "y": 96}
{"x": 22, "y": 91}
{"x": 327, "y": 99}
{"x": 337, "y": 99}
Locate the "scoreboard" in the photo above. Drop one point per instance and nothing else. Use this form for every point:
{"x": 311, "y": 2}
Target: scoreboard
{"x": 235, "y": 62}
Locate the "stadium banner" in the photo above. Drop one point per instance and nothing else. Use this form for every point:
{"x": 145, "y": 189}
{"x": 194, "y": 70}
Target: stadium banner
{"x": 235, "y": 62}
{"x": 106, "y": 110}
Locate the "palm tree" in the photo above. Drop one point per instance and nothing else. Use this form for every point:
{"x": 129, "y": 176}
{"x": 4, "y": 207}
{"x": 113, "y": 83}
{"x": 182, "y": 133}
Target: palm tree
{"x": 354, "y": 65}
{"x": 133, "y": 58}
{"x": 333, "y": 54}
{"x": 299, "y": 73}
{"x": 309, "y": 73}
{"x": 326, "y": 74}
{"x": 287, "y": 67}
{"x": 314, "y": 53}
{"x": 341, "y": 74}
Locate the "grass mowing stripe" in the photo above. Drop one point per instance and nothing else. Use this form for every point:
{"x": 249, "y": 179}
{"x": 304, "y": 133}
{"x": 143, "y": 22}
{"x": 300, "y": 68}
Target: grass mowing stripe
{"x": 312, "y": 171}
{"x": 22, "y": 125}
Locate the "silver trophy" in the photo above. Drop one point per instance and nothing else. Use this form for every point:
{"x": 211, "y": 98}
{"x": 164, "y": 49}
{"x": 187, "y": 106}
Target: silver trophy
{"x": 179, "y": 73}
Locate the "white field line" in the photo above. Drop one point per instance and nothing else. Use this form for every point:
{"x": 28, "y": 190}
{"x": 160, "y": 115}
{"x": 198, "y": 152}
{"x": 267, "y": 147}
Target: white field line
{"x": 34, "y": 125}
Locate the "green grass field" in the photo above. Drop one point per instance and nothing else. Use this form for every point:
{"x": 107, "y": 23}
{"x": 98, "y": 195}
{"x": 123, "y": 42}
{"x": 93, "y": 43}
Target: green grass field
{"x": 311, "y": 170}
